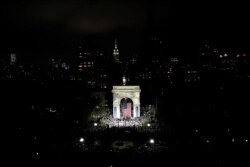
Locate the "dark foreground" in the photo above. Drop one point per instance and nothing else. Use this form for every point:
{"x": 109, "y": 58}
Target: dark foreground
{"x": 201, "y": 128}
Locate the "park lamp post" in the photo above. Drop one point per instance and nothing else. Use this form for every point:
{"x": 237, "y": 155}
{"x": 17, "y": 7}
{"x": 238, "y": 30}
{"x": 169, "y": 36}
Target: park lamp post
{"x": 152, "y": 142}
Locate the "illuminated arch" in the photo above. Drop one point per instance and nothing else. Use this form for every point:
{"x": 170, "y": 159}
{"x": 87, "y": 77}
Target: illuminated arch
{"x": 123, "y": 92}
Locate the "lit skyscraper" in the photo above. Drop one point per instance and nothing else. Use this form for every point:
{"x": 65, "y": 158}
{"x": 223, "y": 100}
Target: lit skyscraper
{"x": 13, "y": 58}
{"x": 116, "y": 52}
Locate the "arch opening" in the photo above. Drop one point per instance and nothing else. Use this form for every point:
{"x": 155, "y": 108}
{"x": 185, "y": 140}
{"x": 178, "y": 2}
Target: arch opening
{"x": 126, "y": 108}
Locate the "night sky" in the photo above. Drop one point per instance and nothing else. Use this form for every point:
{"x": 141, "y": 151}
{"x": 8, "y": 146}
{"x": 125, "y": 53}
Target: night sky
{"x": 43, "y": 29}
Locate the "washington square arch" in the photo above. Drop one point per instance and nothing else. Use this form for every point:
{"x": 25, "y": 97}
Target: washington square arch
{"x": 126, "y": 101}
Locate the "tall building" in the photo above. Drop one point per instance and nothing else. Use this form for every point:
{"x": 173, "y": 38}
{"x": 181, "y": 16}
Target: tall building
{"x": 92, "y": 67}
{"x": 116, "y": 52}
{"x": 208, "y": 56}
{"x": 13, "y": 58}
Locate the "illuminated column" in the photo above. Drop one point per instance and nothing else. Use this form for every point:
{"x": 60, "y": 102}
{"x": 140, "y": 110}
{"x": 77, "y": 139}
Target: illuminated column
{"x": 136, "y": 100}
{"x": 116, "y": 106}
{"x": 136, "y": 110}
{"x": 116, "y": 111}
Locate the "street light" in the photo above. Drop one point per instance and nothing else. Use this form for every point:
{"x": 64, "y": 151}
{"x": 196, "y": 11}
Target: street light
{"x": 151, "y": 141}
{"x": 81, "y": 139}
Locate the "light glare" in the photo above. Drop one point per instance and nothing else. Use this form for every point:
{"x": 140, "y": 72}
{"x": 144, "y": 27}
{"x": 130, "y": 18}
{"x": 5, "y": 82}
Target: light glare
{"x": 81, "y": 140}
{"x": 152, "y": 141}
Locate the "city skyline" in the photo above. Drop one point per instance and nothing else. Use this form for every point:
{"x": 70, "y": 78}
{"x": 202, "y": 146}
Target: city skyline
{"x": 42, "y": 30}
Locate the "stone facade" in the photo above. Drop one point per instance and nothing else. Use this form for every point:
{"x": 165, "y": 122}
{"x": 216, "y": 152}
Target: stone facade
{"x": 131, "y": 92}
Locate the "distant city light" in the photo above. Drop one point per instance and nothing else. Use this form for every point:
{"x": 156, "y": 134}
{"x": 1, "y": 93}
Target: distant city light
{"x": 196, "y": 130}
{"x": 233, "y": 140}
{"x": 148, "y": 125}
{"x": 225, "y": 55}
{"x": 221, "y": 56}
{"x": 246, "y": 140}
{"x": 208, "y": 141}
{"x": 237, "y": 55}
{"x": 81, "y": 140}
{"x": 95, "y": 124}
{"x": 13, "y": 58}
{"x": 37, "y": 153}
{"x": 52, "y": 110}
{"x": 152, "y": 141}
